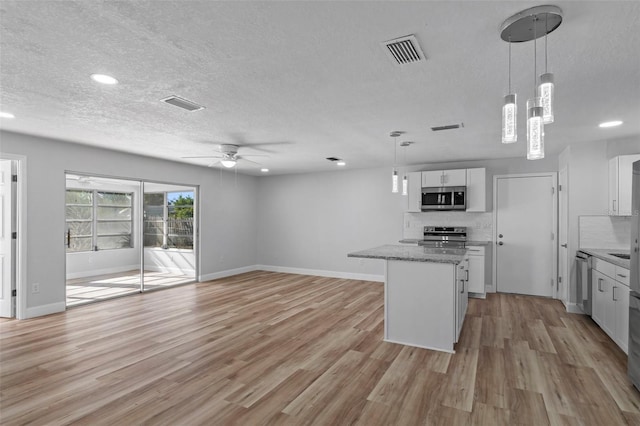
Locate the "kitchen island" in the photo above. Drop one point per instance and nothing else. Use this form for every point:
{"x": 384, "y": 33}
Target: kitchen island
{"x": 425, "y": 295}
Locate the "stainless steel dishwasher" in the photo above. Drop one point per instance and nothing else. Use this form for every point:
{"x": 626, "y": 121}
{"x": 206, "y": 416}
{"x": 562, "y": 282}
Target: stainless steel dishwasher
{"x": 583, "y": 281}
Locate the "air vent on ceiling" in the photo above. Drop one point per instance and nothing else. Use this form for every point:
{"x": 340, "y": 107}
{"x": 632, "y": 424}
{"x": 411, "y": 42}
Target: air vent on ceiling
{"x": 333, "y": 159}
{"x": 182, "y": 103}
{"x": 447, "y": 127}
{"x": 403, "y": 50}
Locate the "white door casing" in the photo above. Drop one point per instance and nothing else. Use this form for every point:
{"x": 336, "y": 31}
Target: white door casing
{"x": 564, "y": 276}
{"x": 525, "y": 221}
{"x": 7, "y": 284}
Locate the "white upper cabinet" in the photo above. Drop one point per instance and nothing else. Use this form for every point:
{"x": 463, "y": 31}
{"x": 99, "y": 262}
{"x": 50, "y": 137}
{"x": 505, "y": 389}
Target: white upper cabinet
{"x": 457, "y": 177}
{"x": 620, "y": 178}
{"x": 477, "y": 190}
{"x": 414, "y": 195}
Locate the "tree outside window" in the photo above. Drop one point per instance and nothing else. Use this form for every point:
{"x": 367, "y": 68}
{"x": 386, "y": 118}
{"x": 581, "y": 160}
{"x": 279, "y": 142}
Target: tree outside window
{"x": 168, "y": 220}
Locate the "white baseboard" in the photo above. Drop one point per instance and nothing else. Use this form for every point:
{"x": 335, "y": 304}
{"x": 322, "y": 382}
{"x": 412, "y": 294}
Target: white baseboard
{"x": 165, "y": 269}
{"x": 105, "y": 271}
{"x": 228, "y": 273}
{"x": 573, "y": 308}
{"x": 321, "y": 273}
{"x": 52, "y": 308}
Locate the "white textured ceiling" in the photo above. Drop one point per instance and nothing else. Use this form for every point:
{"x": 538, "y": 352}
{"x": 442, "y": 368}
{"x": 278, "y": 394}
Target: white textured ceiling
{"x": 309, "y": 79}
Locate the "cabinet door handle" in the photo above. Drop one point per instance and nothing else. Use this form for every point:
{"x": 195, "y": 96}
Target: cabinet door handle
{"x": 613, "y": 294}
{"x": 614, "y": 205}
{"x": 600, "y": 285}
{"x": 467, "y": 272}
{"x": 623, "y": 276}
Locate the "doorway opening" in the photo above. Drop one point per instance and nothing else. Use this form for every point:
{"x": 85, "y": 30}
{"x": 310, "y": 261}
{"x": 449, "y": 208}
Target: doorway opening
{"x": 121, "y": 239}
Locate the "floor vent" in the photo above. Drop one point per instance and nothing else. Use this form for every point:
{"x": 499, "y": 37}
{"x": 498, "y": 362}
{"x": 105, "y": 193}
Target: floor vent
{"x": 182, "y": 103}
{"x": 404, "y": 50}
{"x": 447, "y": 127}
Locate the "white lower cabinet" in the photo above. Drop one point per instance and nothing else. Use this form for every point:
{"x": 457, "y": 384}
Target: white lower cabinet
{"x": 610, "y": 304}
{"x": 462, "y": 300}
{"x": 476, "y": 269}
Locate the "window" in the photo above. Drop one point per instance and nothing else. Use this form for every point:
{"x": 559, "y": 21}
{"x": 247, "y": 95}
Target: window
{"x": 98, "y": 220}
{"x": 168, "y": 220}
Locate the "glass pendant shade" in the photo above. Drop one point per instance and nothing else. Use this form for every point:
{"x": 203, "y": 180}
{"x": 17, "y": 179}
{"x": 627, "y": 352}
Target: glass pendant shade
{"x": 228, "y": 163}
{"x": 509, "y": 119}
{"x": 545, "y": 92}
{"x": 535, "y": 129}
{"x": 394, "y": 182}
{"x": 405, "y": 185}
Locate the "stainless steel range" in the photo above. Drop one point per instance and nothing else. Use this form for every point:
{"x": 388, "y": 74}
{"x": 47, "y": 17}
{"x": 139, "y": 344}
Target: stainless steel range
{"x": 442, "y": 236}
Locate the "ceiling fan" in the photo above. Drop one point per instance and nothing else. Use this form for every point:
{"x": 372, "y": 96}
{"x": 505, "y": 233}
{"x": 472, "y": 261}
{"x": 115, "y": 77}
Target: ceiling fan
{"x": 228, "y": 156}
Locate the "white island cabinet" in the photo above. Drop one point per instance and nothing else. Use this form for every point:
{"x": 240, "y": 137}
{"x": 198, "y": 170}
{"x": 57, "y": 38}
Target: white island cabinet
{"x": 426, "y": 294}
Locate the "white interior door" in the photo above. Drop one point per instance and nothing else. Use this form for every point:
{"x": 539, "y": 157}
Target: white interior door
{"x": 563, "y": 225}
{"x": 6, "y": 242}
{"x": 525, "y": 234}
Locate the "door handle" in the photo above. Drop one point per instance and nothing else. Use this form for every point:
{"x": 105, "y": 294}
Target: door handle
{"x": 69, "y": 238}
{"x": 500, "y": 243}
{"x": 614, "y": 205}
{"x": 600, "y": 285}
{"x": 563, "y": 245}
{"x": 500, "y": 235}
{"x": 613, "y": 294}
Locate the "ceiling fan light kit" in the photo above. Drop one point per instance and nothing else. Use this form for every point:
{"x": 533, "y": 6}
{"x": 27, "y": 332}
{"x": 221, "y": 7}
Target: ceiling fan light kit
{"x": 530, "y": 24}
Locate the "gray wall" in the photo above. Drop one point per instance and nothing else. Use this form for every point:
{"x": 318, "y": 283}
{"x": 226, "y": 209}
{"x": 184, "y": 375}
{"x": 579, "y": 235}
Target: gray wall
{"x": 227, "y": 205}
{"x": 588, "y": 173}
{"x": 313, "y": 220}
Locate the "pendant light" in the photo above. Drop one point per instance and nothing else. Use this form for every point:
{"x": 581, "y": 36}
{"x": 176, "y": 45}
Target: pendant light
{"x": 546, "y": 87}
{"x": 509, "y": 112}
{"x": 522, "y": 27}
{"x": 394, "y": 175}
{"x": 535, "y": 121}
{"x": 405, "y": 180}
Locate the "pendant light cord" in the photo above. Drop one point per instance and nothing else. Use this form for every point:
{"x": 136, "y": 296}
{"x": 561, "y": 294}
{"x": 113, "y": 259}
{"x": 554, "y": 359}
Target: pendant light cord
{"x": 546, "y": 32}
{"x": 395, "y": 152}
{"x": 509, "y": 64}
{"x": 535, "y": 38}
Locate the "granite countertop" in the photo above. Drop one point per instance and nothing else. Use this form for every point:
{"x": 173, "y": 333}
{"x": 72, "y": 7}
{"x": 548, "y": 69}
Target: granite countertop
{"x": 605, "y": 255}
{"x": 412, "y": 253}
{"x": 469, "y": 243}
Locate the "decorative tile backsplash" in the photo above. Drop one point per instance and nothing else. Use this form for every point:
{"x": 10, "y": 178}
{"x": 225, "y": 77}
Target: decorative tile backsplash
{"x": 479, "y": 225}
{"x": 605, "y": 232}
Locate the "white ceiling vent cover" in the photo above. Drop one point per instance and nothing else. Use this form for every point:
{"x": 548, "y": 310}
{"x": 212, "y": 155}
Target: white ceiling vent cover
{"x": 182, "y": 103}
{"x": 403, "y": 50}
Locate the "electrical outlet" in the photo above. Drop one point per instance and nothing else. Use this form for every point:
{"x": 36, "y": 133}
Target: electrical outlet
{"x": 35, "y": 288}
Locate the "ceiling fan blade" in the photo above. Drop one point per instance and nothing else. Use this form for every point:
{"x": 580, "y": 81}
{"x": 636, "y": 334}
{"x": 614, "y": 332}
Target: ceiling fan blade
{"x": 249, "y": 161}
{"x": 204, "y": 156}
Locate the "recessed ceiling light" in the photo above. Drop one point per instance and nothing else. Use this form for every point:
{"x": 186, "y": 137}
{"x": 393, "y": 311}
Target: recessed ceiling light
{"x": 341, "y": 163}
{"x": 6, "y": 115}
{"x": 264, "y": 170}
{"x": 610, "y": 123}
{"x": 104, "y": 79}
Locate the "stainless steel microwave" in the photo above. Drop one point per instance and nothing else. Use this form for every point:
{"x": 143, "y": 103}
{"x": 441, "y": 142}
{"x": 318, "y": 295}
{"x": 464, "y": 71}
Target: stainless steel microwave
{"x": 444, "y": 198}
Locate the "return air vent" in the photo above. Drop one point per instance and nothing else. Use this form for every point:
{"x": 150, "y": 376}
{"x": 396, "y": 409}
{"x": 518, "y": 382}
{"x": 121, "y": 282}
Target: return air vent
{"x": 182, "y": 103}
{"x": 447, "y": 127}
{"x": 403, "y": 50}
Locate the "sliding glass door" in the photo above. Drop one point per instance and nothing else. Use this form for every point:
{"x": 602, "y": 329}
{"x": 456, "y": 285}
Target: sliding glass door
{"x": 169, "y": 213}
{"x": 103, "y": 259}
{"x": 125, "y": 236}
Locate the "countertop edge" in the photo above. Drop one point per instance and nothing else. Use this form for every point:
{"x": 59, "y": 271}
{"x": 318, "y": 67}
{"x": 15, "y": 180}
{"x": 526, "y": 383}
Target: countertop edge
{"x": 603, "y": 254}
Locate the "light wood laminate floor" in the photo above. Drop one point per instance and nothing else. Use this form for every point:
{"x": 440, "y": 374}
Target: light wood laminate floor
{"x": 271, "y": 348}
